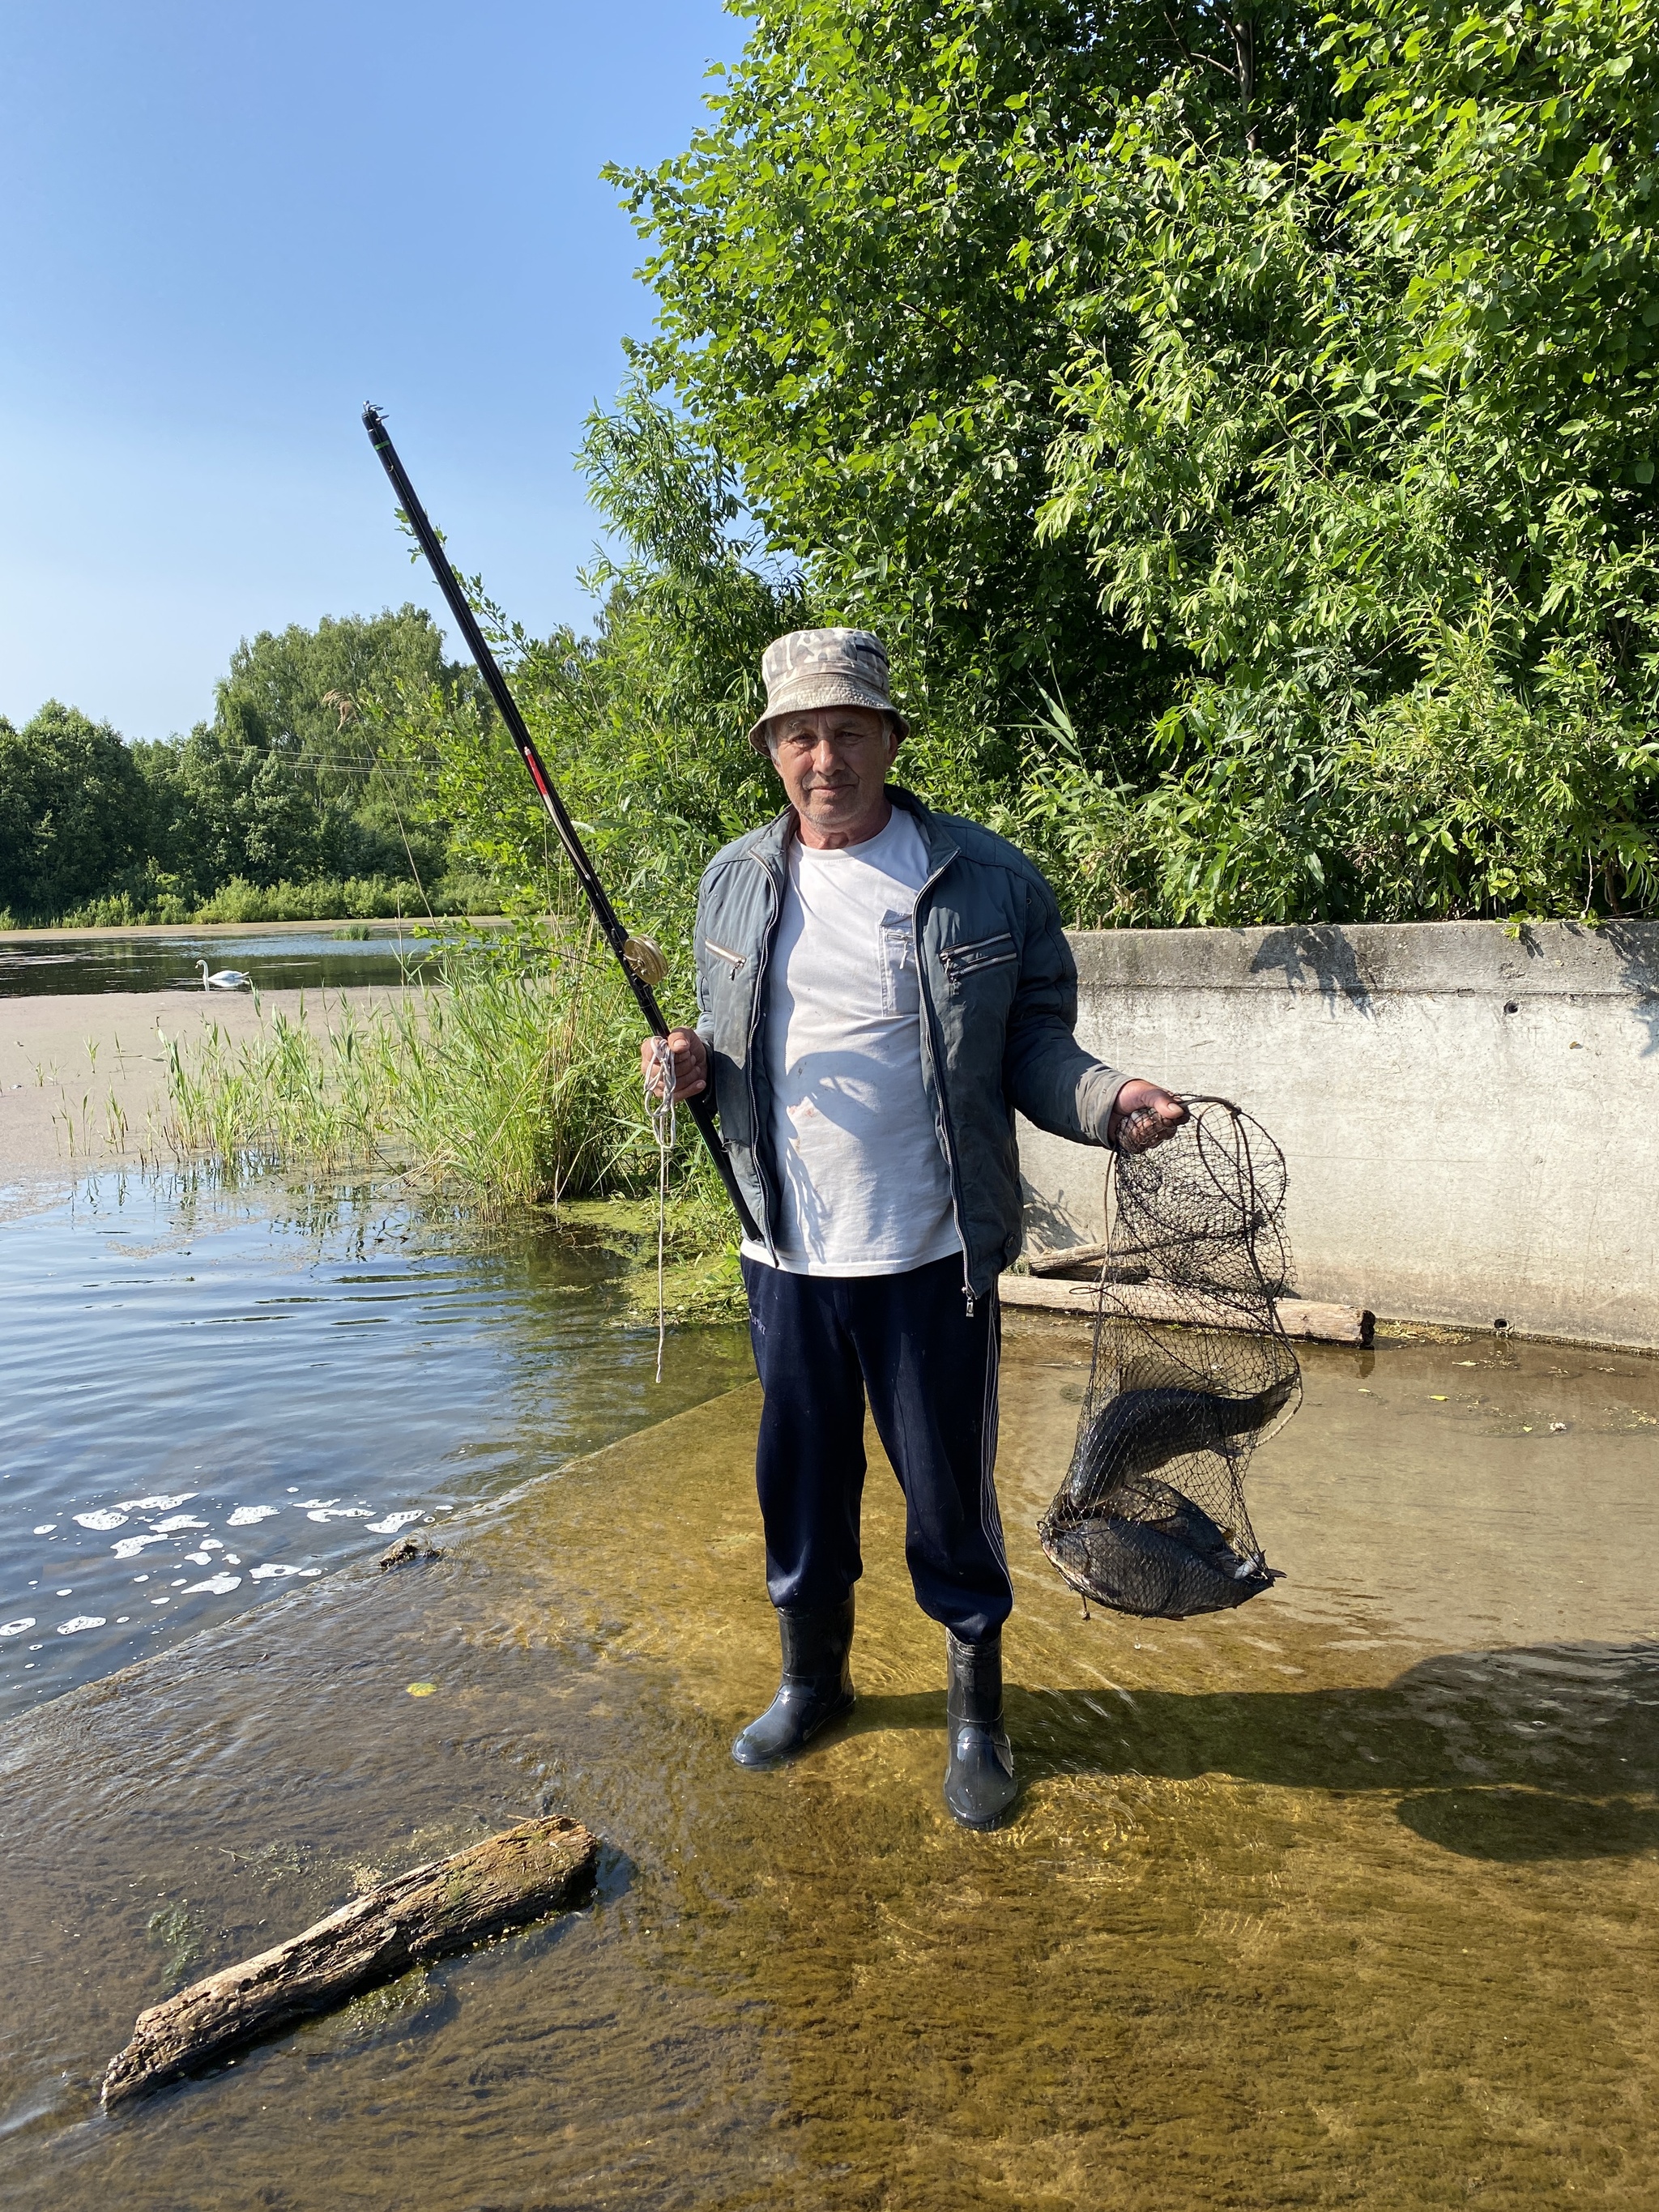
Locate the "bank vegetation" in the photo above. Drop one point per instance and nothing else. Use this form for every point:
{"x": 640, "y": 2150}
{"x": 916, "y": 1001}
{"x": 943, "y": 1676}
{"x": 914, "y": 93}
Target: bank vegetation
{"x": 509, "y": 1084}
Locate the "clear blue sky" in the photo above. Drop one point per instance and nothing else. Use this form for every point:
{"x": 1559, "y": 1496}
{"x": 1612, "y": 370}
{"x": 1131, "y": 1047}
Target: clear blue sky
{"x": 227, "y": 225}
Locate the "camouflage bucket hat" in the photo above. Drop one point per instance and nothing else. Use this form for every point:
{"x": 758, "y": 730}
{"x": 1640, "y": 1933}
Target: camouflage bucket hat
{"x": 824, "y": 668}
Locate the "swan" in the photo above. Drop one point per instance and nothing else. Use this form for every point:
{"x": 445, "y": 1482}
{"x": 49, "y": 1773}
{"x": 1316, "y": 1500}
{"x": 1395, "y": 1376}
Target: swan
{"x": 226, "y": 979}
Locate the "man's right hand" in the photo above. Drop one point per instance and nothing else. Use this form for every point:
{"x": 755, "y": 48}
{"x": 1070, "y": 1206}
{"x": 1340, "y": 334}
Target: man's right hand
{"x": 1143, "y": 1115}
{"x": 690, "y": 1063}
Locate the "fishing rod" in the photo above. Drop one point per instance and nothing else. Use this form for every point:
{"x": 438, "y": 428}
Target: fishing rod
{"x": 638, "y": 959}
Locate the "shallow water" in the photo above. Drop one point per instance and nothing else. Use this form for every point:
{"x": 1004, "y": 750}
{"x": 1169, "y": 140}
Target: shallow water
{"x": 212, "y": 1394}
{"x": 298, "y": 959}
{"x": 1343, "y": 1900}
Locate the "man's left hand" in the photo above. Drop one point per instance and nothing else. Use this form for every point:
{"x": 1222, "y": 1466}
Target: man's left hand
{"x": 1143, "y": 1116}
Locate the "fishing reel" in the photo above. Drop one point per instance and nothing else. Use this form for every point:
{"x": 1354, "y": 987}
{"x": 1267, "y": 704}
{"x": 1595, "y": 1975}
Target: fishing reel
{"x": 645, "y": 960}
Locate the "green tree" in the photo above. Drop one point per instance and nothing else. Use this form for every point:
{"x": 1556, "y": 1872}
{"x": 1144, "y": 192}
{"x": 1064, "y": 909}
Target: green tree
{"x": 1380, "y": 460}
{"x": 1240, "y": 421}
{"x": 74, "y": 811}
{"x": 291, "y": 780}
{"x": 850, "y": 316}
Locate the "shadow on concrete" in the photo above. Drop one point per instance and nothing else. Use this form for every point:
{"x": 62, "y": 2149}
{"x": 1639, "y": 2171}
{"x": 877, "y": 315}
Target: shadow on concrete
{"x": 1637, "y": 947}
{"x": 1545, "y": 1751}
{"x": 1309, "y": 953}
{"x": 1048, "y": 1228}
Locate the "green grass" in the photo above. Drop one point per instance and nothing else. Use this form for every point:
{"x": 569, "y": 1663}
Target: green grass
{"x": 511, "y": 1084}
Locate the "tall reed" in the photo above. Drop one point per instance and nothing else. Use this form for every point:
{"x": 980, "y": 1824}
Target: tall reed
{"x": 503, "y": 1083}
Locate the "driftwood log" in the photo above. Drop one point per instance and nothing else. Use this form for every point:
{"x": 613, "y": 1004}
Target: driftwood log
{"x": 1307, "y": 1317}
{"x": 445, "y": 1906}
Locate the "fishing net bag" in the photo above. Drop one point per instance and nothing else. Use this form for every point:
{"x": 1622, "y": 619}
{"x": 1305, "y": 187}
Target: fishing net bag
{"x": 1191, "y": 1369}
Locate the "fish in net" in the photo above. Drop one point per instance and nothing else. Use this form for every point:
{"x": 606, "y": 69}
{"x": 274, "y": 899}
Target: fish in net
{"x": 1191, "y": 1369}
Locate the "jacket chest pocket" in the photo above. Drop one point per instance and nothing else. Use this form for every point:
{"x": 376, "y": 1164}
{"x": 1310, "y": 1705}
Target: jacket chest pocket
{"x": 961, "y": 962}
{"x": 895, "y": 963}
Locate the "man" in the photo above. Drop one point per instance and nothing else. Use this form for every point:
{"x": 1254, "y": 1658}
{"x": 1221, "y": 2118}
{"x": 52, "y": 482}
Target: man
{"x": 880, "y": 987}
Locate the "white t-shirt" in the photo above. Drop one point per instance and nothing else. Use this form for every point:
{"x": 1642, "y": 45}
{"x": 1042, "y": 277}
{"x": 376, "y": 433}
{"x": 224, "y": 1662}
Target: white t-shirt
{"x": 863, "y": 1187}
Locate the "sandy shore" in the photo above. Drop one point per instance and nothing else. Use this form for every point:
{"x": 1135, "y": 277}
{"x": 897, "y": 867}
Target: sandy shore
{"x": 84, "y": 1075}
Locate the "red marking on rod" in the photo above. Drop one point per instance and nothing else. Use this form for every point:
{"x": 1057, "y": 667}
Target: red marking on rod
{"x": 534, "y": 766}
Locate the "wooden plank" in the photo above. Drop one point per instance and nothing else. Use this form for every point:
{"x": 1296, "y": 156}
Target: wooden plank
{"x": 446, "y": 1906}
{"x": 1305, "y": 1317}
{"x": 1075, "y": 1256}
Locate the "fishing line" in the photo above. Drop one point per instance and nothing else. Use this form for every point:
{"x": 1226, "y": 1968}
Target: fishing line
{"x": 660, "y": 1105}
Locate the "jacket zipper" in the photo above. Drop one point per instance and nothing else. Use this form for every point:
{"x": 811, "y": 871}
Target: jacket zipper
{"x": 957, "y": 968}
{"x": 979, "y": 944}
{"x": 757, "y": 1008}
{"x": 939, "y": 1085}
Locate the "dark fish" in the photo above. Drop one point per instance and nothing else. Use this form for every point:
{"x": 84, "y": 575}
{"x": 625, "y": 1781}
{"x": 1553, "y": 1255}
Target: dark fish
{"x": 1175, "y": 1562}
{"x": 1141, "y": 1431}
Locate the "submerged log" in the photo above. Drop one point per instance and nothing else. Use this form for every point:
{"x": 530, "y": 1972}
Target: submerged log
{"x": 1307, "y": 1317}
{"x": 445, "y": 1906}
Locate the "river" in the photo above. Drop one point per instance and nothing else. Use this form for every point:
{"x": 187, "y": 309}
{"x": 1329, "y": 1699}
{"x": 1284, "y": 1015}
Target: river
{"x": 217, "y": 1391}
{"x": 274, "y": 955}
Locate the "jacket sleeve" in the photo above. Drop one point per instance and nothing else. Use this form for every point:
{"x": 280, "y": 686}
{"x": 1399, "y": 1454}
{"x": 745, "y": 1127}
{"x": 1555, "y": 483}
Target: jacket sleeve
{"x": 1046, "y": 1072}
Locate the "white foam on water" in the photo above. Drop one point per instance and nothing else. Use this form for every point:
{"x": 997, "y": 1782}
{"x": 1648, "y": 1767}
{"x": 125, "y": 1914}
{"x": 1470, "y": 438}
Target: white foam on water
{"x": 177, "y": 1521}
{"x": 341, "y": 1513}
{"x": 393, "y": 1521}
{"x": 102, "y": 1520}
{"x": 154, "y": 1504}
{"x": 45, "y": 1529}
{"x": 215, "y": 1585}
{"x": 16, "y": 1627}
{"x": 245, "y": 1516}
{"x": 199, "y": 1558}
{"x": 80, "y": 1621}
{"x": 130, "y": 1546}
{"x": 271, "y": 1573}
{"x": 310, "y": 1505}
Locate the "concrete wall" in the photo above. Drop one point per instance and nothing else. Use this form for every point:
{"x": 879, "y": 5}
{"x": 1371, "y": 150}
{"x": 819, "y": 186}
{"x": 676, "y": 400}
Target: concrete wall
{"x": 1469, "y": 1117}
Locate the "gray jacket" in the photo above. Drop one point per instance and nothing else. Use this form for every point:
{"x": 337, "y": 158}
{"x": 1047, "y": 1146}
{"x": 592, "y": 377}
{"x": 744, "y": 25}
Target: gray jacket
{"x": 998, "y": 1003}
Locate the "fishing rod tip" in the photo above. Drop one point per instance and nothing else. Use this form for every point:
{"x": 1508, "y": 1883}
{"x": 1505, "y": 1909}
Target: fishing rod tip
{"x": 373, "y": 416}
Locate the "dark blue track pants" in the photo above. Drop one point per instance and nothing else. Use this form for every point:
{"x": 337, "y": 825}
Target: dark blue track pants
{"x": 821, "y": 1342}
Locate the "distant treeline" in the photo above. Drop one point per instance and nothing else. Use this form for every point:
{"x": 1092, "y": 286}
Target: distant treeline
{"x": 295, "y": 801}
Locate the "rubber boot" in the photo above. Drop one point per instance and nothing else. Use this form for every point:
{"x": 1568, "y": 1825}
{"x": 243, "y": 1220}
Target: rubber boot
{"x": 979, "y": 1779}
{"x": 816, "y": 1687}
